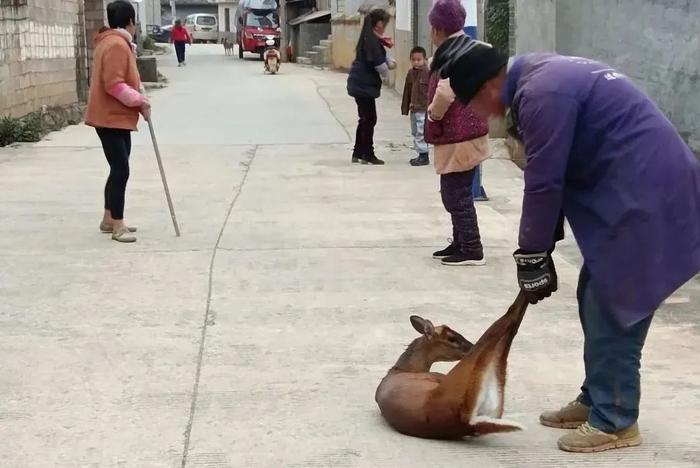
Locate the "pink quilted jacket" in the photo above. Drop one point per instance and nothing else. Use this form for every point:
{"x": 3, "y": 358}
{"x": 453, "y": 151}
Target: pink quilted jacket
{"x": 458, "y": 124}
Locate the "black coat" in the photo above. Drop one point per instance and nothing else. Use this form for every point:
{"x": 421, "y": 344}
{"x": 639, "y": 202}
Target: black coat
{"x": 364, "y": 80}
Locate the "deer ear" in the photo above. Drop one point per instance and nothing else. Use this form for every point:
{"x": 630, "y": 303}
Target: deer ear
{"x": 422, "y": 326}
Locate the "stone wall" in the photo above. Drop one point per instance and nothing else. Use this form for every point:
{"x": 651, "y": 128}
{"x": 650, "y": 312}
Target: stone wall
{"x": 655, "y": 42}
{"x": 40, "y": 54}
{"x": 533, "y": 26}
{"x": 308, "y": 35}
{"x": 402, "y": 54}
{"x": 345, "y": 31}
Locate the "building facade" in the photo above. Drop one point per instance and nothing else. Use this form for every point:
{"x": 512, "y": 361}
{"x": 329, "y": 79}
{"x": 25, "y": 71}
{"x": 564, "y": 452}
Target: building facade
{"x": 43, "y": 53}
{"x": 654, "y": 42}
{"x": 46, "y": 47}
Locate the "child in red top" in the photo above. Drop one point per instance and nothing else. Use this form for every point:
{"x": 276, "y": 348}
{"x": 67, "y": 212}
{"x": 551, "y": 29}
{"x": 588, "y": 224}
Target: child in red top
{"x": 180, "y": 36}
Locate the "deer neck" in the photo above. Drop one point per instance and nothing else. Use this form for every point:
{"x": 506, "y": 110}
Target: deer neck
{"x": 415, "y": 359}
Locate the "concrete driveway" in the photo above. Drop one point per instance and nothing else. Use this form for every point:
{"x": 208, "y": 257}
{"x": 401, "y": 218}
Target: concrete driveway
{"x": 257, "y": 338}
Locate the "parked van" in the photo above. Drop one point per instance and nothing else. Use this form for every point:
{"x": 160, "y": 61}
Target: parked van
{"x": 203, "y": 27}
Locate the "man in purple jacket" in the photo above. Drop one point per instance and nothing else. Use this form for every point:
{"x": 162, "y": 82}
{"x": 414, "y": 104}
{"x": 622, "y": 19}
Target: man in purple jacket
{"x": 600, "y": 153}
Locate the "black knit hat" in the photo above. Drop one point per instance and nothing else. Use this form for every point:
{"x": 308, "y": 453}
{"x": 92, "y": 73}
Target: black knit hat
{"x": 469, "y": 64}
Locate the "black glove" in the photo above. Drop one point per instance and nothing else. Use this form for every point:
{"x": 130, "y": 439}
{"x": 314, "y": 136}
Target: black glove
{"x": 537, "y": 276}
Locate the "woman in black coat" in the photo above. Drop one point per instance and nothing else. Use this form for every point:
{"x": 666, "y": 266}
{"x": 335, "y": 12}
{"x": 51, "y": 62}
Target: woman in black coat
{"x": 367, "y": 72}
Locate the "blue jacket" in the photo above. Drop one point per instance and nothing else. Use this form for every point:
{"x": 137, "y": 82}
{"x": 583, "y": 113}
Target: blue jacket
{"x": 600, "y": 151}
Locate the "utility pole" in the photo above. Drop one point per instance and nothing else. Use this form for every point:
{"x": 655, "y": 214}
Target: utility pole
{"x": 173, "y": 11}
{"x": 284, "y": 38}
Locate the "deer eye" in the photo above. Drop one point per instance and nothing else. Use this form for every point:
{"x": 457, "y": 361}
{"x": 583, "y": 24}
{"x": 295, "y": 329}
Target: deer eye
{"x": 452, "y": 340}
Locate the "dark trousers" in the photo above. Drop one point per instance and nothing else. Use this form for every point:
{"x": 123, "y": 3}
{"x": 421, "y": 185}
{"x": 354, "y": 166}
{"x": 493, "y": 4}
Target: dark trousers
{"x": 612, "y": 356}
{"x": 364, "y": 137}
{"x": 456, "y": 191}
{"x": 116, "y": 144}
{"x": 180, "y": 50}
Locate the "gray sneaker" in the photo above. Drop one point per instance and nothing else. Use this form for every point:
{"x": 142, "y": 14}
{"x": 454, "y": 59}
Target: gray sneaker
{"x": 588, "y": 439}
{"x": 570, "y": 416}
{"x": 107, "y": 228}
{"x": 123, "y": 235}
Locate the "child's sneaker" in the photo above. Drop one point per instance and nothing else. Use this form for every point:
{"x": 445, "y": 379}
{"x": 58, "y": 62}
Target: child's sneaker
{"x": 421, "y": 160}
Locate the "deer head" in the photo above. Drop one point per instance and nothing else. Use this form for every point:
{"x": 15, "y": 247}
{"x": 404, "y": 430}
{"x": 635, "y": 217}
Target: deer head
{"x": 441, "y": 343}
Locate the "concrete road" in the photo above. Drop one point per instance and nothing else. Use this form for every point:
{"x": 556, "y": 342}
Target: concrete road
{"x": 257, "y": 339}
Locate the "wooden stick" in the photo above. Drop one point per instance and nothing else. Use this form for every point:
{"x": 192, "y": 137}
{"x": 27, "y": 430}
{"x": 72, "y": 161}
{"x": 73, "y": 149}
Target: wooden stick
{"x": 162, "y": 177}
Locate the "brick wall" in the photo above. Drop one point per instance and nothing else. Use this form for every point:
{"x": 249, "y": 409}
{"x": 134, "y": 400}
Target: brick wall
{"x": 95, "y": 18}
{"x": 41, "y": 55}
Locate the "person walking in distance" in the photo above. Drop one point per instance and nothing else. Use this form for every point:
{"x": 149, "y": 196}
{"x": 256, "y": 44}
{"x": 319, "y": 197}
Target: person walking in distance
{"x": 368, "y": 71}
{"x": 114, "y": 104}
{"x": 415, "y": 103}
{"x": 459, "y": 138}
{"x": 600, "y": 153}
{"x": 180, "y": 37}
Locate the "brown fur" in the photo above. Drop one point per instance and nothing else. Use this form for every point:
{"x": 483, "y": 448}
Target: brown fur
{"x": 420, "y": 403}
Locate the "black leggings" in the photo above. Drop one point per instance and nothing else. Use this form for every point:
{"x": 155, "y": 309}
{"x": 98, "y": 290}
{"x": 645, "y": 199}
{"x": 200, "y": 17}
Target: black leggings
{"x": 116, "y": 144}
{"x": 364, "y": 137}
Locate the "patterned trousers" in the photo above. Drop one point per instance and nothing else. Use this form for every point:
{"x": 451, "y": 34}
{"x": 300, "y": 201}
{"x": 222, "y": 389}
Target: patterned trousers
{"x": 456, "y": 191}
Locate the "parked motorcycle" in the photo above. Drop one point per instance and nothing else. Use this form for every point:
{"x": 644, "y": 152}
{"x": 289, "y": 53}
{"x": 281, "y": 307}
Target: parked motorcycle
{"x": 271, "y": 55}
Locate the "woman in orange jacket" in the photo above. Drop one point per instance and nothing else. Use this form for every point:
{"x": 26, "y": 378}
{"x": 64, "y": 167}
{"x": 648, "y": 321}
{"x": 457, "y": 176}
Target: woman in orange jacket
{"x": 114, "y": 105}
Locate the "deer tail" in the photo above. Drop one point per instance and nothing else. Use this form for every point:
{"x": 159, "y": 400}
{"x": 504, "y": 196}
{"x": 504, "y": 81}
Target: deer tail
{"x": 485, "y": 425}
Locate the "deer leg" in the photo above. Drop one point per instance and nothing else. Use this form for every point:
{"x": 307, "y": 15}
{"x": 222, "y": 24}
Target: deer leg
{"x": 485, "y": 398}
{"x": 491, "y": 349}
{"x": 478, "y": 380}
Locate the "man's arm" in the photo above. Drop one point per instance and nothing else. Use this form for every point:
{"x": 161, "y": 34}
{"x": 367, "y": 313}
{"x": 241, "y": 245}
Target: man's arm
{"x": 547, "y": 124}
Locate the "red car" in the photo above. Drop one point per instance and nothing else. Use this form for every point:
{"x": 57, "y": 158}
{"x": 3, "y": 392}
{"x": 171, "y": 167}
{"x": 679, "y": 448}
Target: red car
{"x": 254, "y": 27}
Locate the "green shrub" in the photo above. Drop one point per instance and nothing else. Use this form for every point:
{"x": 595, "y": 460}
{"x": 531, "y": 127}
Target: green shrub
{"x": 497, "y": 30}
{"x": 149, "y": 43}
{"x": 28, "y": 129}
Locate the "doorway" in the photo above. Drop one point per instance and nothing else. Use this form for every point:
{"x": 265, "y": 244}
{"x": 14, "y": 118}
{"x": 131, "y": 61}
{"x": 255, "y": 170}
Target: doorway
{"x": 421, "y": 28}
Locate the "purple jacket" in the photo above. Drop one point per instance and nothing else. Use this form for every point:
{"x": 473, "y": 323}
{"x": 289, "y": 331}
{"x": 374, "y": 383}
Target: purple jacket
{"x": 600, "y": 151}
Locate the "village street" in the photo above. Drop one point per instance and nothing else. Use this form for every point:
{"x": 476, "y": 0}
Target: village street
{"x": 257, "y": 339}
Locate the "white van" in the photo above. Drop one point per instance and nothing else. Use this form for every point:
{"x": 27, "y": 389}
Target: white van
{"x": 203, "y": 27}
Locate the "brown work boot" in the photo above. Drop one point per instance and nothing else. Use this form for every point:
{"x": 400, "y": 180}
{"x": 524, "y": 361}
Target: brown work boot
{"x": 588, "y": 439}
{"x": 570, "y": 416}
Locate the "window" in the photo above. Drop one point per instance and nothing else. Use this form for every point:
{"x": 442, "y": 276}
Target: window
{"x": 271, "y": 20}
{"x": 206, "y": 21}
{"x": 190, "y": 20}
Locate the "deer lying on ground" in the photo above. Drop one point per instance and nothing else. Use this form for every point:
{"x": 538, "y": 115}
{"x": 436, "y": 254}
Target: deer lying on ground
{"x": 467, "y": 401}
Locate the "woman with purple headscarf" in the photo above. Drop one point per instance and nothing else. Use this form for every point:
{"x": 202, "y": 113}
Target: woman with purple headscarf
{"x": 460, "y": 139}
